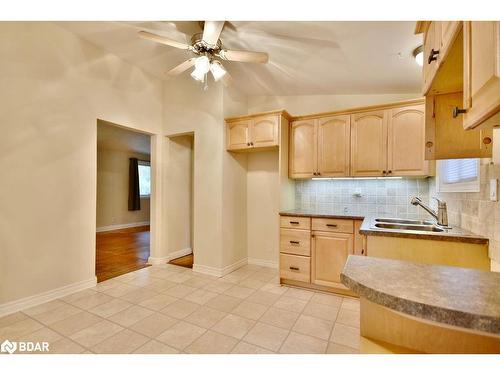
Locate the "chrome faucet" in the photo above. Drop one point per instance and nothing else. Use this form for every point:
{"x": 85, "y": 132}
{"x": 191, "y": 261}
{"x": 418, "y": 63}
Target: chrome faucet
{"x": 442, "y": 213}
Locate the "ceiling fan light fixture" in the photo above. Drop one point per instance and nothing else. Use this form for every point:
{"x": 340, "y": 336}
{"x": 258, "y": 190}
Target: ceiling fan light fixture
{"x": 418, "y": 54}
{"x": 202, "y": 64}
{"x": 217, "y": 70}
{"x": 198, "y": 75}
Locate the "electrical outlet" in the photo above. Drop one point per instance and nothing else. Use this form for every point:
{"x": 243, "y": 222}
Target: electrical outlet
{"x": 493, "y": 189}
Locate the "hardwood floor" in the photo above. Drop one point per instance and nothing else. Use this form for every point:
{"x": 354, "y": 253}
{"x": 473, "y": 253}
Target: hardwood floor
{"x": 121, "y": 251}
{"x": 185, "y": 261}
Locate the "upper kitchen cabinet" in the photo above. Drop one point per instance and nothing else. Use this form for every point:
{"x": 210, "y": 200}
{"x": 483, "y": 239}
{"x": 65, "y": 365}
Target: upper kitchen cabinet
{"x": 385, "y": 140}
{"x": 303, "y": 149}
{"x": 254, "y": 132}
{"x": 481, "y": 74}
{"x": 464, "y": 57}
{"x": 333, "y": 146}
{"x": 406, "y": 141}
{"x": 369, "y": 143}
{"x": 445, "y": 136}
{"x": 238, "y": 135}
{"x": 320, "y": 147}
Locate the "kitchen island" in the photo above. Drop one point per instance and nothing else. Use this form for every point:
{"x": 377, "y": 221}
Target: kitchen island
{"x": 412, "y": 307}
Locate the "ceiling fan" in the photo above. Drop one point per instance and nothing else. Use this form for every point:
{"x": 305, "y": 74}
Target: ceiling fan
{"x": 209, "y": 51}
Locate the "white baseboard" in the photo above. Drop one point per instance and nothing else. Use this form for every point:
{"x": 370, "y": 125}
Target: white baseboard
{"x": 219, "y": 272}
{"x": 263, "y": 262}
{"x": 107, "y": 228}
{"x": 179, "y": 253}
{"x": 169, "y": 257}
{"x": 37, "y": 299}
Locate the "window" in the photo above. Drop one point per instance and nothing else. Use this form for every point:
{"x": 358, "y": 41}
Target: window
{"x": 458, "y": 175}
{"x": 144, "y": 178}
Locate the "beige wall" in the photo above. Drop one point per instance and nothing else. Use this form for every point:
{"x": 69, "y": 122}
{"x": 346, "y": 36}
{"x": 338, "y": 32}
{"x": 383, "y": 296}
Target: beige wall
{"x": 179, "y": 180}
{"x": 304, "y": 104}
{"x": 263, "y": 205}
{"x": 187, "y": 108}
{"x": 112, "y": 189}
{"x": 54, "y": 87}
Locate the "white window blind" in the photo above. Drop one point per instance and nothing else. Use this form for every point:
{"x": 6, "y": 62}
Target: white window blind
{"x": 458, "y": 175}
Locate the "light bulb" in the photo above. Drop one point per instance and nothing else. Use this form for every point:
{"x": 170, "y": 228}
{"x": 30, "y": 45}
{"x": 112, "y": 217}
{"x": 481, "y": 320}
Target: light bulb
{"x": 217, "y": 70}
{"x": 419, "y": 58}
{"x": 202, "y": 64}
{"x": 198, "y": 75}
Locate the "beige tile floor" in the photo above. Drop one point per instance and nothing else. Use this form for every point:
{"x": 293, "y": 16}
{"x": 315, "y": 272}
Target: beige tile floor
{"x": 170, "y": 309}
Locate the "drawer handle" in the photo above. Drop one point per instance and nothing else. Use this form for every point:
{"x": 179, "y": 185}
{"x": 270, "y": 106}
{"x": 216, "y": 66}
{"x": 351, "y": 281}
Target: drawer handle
{"x": 294, "y": 268}
{"x": 294, "y": 222}
{"x": 331, "y": 225}
{"x": 295, "y": 242}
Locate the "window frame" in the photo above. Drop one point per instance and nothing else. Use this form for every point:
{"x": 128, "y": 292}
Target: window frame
{"x": 458, "y": 187}
{"x": 148, "y": 164}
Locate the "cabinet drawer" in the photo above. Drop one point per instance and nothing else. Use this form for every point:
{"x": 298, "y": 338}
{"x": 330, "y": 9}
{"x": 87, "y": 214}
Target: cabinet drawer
{"x": 333, "y": 225}
{"x": 296, "y": 222}
{"x": 295, "y": 241}
{"x": 295, "y": 267}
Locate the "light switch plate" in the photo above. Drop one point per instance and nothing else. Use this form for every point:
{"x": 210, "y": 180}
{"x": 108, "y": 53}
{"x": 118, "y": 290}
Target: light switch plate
{"x": 493, "y": 189}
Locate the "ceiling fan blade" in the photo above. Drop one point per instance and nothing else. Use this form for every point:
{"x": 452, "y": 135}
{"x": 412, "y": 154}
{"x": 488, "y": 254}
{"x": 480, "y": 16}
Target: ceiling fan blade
{"x": 182, "y": 67}
{"x": 244, "y": 56}
{"x": 211, "y": 32}
{"x": 163, "y": 40}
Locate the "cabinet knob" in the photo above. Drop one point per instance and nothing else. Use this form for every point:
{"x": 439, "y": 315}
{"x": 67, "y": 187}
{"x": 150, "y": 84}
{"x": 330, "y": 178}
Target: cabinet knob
{"x": 384, "y": 172}
{"x": 432, "y": 56}
{"x": 429, "y": 144}
{"x": 486, "y": 140}
{"x": 362, "y": 251}
{"x": 248, "y": 143}
{"x": 251, "y": 143}
{"x": 457, "y": 111}
{"x": 389, "y": 172}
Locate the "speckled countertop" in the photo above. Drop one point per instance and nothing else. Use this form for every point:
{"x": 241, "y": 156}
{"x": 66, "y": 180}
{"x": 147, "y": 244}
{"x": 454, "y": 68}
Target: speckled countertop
{"x": 460, "y": 297}
{"x": 324, "y": 213}
{"x": 454, "y": 234}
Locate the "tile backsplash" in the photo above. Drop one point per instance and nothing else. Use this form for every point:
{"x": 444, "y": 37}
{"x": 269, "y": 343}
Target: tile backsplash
{"x": 474, "y": 211}
{"x": 370, "y": 196}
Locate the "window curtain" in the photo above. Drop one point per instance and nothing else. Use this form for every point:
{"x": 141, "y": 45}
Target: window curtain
{"x": 134, "y": 197}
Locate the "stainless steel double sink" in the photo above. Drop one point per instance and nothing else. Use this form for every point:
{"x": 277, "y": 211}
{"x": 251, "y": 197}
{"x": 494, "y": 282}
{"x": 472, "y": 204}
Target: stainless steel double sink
{"x": 406, "y": 224}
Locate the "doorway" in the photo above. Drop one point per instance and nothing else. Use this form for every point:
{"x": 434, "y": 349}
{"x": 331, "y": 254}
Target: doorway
{"x": 123, "y": 200}
{"x": 180, "y": 182}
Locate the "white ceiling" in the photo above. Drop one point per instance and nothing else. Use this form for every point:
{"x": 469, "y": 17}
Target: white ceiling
{"x": 304, "y": 57}
{"x": 113, "y": 137}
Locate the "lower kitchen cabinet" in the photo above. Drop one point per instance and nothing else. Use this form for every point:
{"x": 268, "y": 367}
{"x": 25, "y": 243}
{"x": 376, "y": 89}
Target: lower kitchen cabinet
{"x": 295, "y": 267}
{"x": 329, "y": 252}
{"x": 314, "y": 250}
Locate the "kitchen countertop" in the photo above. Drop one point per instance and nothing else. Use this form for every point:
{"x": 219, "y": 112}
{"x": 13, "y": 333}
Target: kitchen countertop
{"x": 456, "y": 296}
{"x": 341, "y": 214}
{"x": 454, "y": 234}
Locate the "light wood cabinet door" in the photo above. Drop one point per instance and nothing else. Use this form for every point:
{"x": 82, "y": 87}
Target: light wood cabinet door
{"x": 445, "y": 135}
{"x": 264, "y": 131}
{"x": 432, "y": 44}
{"x": 237, "y": 134}
{"x": 334, "y": 146}
{"x": 303, "y": 149}
{"x": 406, "y": 142}
{"x": 329, "y": 254}
{"x": 369, "y": 143}
{"x": 449, "y": 31}
{"x": 481, "y": 73}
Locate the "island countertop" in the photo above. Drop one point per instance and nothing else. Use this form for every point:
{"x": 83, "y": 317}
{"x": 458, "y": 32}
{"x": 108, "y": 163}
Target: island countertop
{"x": 456, "y": 296}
